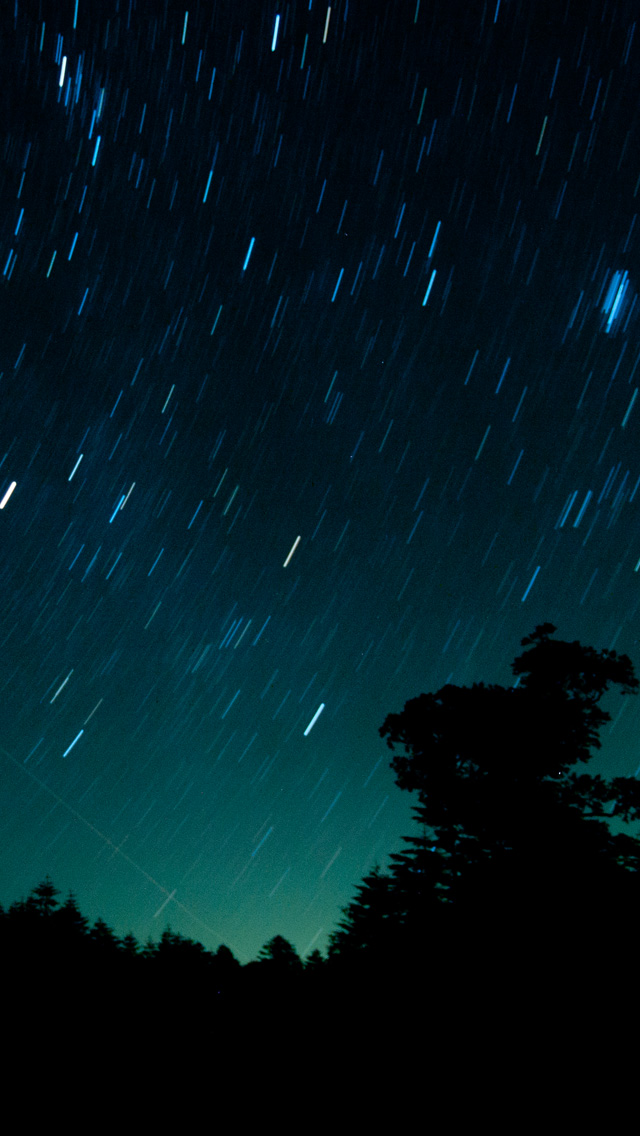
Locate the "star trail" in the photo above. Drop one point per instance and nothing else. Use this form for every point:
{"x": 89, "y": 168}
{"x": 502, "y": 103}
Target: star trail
{"x": 318, "y": 375}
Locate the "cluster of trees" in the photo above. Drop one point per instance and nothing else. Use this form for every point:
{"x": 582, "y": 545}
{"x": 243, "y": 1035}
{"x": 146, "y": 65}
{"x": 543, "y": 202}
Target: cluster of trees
{"x": 48, "y": 943}
{"x": 514, "y": 872}
{"x": 515, "y": 863}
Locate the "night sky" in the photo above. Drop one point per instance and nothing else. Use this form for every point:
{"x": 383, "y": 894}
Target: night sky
{"x": 319, "y": 371}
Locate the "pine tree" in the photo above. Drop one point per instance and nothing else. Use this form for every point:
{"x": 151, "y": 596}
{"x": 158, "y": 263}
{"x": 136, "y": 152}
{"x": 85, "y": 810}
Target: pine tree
{"x": 314, "y": 962}
{"x": 280, "y": 952}
{"x": 43, "y": 898}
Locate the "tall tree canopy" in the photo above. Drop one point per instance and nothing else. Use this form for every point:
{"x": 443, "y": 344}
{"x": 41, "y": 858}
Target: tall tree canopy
{"x": 511, "y": 818}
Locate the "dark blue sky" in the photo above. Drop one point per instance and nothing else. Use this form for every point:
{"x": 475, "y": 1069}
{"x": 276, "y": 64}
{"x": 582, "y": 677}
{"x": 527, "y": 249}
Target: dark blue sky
{"x": 364, "y": 278}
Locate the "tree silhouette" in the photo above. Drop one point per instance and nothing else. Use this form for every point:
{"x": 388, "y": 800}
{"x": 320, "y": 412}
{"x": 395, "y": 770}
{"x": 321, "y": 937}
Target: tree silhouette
{"x": 181, "y": 960}
{"x": 280, "y": 952}
{"x": 277, "y": 974}
{"x": 43, "y": 899}
{"x": 371, "y": 922}
{"x": 513, "y": 877}
{"x": 30, "y": 929}
{"x": 518, "y": 836}
{"x": 315, "y": 962}
{"x": 129, "y": 946}
{"x": 71, "y": 924}
{"x": 225, "y": 974}
{"x": 174, "y": 946}
{"x": 104, "y": 940}
{"x": 148, "y": 950}
{"x": 56, "y": 956}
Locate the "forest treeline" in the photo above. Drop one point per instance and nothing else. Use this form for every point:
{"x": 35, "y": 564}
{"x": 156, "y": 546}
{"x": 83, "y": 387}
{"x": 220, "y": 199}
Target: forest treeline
{"x": 513, "y": 878}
